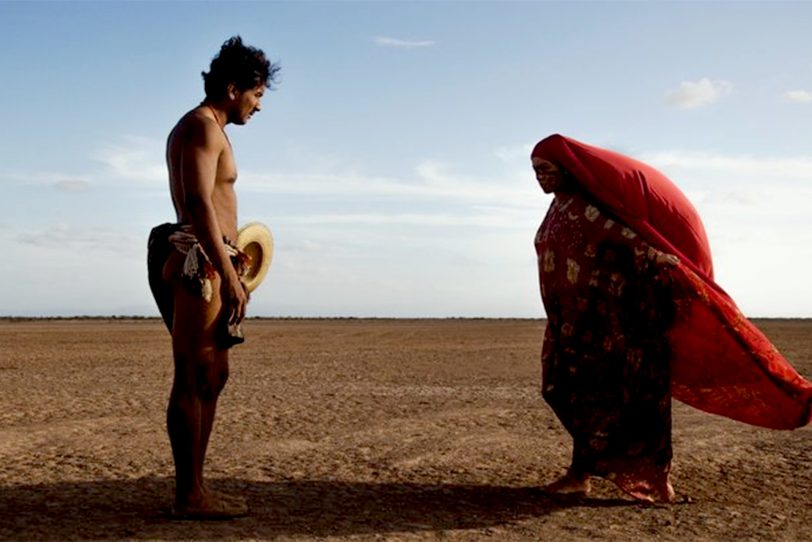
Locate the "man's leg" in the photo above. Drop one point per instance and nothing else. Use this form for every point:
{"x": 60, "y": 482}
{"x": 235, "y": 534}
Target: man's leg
{"x": 201, "y": 370}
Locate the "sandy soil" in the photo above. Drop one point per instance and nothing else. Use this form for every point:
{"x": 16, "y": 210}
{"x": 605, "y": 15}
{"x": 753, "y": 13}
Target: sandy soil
{"x": 358, "y": 429}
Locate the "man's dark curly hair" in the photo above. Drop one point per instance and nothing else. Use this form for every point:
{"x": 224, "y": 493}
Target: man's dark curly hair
{"x": 242, "y": 65}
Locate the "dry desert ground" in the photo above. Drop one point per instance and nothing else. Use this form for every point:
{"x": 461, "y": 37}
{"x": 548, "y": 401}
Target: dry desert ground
{"x": 359, "y": 430}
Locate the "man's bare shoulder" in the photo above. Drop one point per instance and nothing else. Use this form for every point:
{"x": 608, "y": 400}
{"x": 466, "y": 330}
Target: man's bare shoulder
{"x": 197, "y": 126}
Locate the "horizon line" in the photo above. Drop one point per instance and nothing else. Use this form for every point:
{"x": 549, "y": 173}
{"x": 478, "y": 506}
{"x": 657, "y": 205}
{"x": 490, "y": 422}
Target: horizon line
{"x": 11, "y": 318}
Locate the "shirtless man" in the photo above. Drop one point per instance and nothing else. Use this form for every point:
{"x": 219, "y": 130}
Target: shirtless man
{"x": 195, "y": 269}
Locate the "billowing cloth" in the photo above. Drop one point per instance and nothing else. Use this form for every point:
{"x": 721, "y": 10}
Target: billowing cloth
{"x": 638, "y": 195}
{"x": 196, "y": 274}
{"x": 605, "y": 358}
{"x": 720, "y": 361}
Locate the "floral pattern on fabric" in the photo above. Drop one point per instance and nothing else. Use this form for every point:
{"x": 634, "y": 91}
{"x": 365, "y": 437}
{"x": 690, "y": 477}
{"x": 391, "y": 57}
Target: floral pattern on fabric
{"x": 605, "y": 358}
{"x": 720, "y": 361}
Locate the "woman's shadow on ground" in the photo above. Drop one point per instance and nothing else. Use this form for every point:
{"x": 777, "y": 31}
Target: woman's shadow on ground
{"x": 139, "y": 508}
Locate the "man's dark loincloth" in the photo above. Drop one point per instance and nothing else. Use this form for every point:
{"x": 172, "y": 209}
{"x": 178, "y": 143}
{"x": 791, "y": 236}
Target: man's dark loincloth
{"x": 158, "y": 250}
{"x": 159, "y": 247}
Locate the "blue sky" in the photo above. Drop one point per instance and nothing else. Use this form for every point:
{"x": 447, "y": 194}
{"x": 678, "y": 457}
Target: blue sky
{"x": 392, "y": 161}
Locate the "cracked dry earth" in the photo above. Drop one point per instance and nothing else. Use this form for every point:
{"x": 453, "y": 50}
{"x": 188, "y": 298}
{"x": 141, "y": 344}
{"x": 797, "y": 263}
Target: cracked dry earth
{"x": 359, "y": 430}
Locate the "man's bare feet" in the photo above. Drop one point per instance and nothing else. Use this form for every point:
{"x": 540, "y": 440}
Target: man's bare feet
{"x": 570, "y": 484}
{"x": 211, "y": 505}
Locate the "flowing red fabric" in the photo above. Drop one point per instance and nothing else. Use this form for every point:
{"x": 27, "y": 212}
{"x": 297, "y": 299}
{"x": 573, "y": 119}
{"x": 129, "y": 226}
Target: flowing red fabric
{"x": 721, "y": 363}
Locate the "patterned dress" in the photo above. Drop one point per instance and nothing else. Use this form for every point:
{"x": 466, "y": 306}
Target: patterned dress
{"x": 605, "y": 358}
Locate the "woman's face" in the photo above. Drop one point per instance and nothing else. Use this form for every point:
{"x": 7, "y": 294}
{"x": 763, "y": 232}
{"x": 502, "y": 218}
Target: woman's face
{"x": 547, "y": 174}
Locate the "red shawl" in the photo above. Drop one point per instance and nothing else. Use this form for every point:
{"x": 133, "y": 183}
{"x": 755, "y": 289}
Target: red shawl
{"x": 721, "y": 362}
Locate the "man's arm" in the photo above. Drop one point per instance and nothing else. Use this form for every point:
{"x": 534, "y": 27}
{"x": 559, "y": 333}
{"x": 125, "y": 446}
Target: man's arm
{"x": 199, "y": 159}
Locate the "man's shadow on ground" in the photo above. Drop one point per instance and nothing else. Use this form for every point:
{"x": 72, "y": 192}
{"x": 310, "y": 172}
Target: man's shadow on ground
{"x": 139, "y": 508}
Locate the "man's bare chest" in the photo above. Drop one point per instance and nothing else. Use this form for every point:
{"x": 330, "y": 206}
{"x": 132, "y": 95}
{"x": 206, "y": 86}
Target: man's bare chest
{"x": 226, "y": 166}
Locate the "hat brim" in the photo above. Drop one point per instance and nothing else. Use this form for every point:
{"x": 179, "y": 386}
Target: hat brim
{"x": 256, "y": 241}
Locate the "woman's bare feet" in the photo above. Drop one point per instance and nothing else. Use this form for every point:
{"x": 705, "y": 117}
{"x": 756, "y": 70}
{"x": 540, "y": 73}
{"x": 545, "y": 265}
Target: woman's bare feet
{"x": 210, "y": 504}
{"x": 665, "y": 492}
{"x": 661, "y": 491}
{"x": 570, "y": 484}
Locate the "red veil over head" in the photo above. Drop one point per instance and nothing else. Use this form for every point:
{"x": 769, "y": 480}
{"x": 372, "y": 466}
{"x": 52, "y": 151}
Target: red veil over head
{"x": 721, "y": 362}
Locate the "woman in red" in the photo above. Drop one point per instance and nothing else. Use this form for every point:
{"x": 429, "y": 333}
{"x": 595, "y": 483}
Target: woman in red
{"x": 633, "y": 315}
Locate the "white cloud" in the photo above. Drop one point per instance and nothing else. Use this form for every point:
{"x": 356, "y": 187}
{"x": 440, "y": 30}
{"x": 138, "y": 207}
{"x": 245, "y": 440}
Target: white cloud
{"x": 797, "y": 167}
{"x": 690, "y": 94}
{"x": 61, "y": 237}
{"x": 756, "y": 213}
{"x": 136, "y": 159}
{"x": 798, "y": 96}
{"x": 133, "y": 159}
{"x": 384, "y": 41}
{"x": 72, "y": 185}
{"x": 489, "y": 218}
{"x": 432, "y": 181}
{"x": 59, "y": 181}
{"x": 518, "y": 153}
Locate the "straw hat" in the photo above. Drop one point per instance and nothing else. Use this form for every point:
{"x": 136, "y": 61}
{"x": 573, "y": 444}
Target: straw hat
{"x": 255, "y": 239}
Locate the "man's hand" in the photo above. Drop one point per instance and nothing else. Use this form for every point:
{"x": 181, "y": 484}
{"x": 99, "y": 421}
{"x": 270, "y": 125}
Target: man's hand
{"x": 234, "y": 297}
